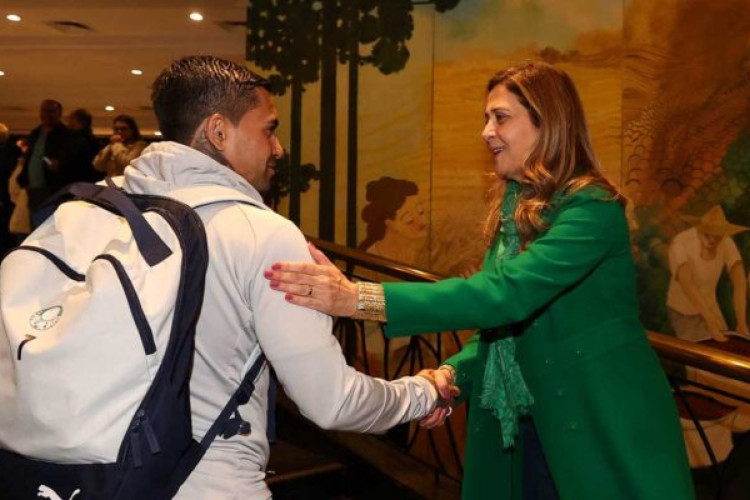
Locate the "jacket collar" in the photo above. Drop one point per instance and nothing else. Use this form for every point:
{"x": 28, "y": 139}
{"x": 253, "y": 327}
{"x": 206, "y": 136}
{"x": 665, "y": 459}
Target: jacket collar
{"x": 168, "y": 166}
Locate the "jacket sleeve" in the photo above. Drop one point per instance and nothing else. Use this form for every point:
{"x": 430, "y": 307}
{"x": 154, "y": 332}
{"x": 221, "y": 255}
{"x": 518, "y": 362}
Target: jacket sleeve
{"x": 465, "y": 363}
{"x": 122, "y": 155}
{"x": 308, "y": 360}
{"x": 102, "y": 159}
{"x": 509, "y": 291}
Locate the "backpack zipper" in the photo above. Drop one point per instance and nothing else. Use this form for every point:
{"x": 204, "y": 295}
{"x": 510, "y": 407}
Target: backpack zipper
{"x": 141, "y": 423}
{"x": 141, "y": 323}
{"x": 55, "y": 260}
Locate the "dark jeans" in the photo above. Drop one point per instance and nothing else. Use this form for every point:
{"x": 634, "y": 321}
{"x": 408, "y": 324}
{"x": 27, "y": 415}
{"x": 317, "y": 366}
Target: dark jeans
{"x": 6, "y": 240}
{"x": 537, "y": 480}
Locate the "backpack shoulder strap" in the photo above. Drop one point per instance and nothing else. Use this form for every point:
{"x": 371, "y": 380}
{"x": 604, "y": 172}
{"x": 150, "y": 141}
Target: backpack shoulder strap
{"x": 151, "y": 246}
{"x": 229, "y": 422}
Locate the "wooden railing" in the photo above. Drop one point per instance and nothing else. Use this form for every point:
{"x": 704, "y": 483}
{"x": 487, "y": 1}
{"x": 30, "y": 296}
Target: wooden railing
{"x": 441, "y": 450}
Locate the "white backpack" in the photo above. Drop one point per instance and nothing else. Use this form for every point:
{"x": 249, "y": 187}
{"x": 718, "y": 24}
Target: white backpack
{"x": 98, "y": 309}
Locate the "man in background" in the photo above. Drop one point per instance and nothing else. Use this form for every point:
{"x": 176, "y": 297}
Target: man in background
{"x": 80, "y": 150}
{"x": 42, "y": 172}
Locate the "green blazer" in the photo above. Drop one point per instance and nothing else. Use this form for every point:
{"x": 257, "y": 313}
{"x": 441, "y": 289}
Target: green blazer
{"x": 603, "y": 408}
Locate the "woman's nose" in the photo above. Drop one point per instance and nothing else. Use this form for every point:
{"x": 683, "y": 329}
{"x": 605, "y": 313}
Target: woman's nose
{"x": 488, "y": 131}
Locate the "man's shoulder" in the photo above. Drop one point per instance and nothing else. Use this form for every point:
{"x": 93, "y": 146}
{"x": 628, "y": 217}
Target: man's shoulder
{"x": 261, "y": 222}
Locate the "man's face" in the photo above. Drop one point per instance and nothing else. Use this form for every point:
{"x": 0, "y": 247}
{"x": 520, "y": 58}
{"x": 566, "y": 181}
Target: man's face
{"x": 49, "y": 113}
{"x": 74, "y": 124}
{"x": 709, "y": 241}
{"x": 252, "y": 147}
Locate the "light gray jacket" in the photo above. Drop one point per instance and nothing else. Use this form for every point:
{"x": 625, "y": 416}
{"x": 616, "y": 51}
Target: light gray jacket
{"x": 241, "y": 311}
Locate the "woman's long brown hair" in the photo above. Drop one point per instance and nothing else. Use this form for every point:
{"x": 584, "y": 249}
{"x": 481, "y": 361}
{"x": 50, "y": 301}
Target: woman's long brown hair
{"x": 562, "y": 159}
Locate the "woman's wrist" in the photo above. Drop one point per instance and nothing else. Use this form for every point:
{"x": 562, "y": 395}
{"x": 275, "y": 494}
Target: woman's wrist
{"x": 451, "y": 372}
{"x": 370, "y": 302}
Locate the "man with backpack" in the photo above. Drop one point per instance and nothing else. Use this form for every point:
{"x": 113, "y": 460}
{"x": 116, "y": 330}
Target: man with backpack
{"x": 221, "y": 120}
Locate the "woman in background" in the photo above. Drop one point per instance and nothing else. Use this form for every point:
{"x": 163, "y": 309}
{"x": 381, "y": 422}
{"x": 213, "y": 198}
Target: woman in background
{"x": 125, "y": 145}
{"x": 568, "y": 398}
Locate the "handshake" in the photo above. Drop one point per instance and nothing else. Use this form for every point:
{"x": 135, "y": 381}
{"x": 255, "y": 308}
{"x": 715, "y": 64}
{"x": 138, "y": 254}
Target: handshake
{"x": 444, "y": 380}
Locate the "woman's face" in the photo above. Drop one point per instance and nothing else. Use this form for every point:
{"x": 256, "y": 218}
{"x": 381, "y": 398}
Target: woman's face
{"x": 509, "y": 133}
{"x": 123, "y": 130}
{"x": 409, "y": 220}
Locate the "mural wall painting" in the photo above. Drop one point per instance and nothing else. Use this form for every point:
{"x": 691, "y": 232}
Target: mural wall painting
{"x": 305, "y": 43}
{"x": 382, "y": 101}
{"x": 686, "y": 166}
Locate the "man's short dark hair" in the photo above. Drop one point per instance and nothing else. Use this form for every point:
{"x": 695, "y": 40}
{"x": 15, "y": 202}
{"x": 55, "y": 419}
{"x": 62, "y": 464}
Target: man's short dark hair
{"x": 195, "y": 87}
{"x": 83, "y": 117}
{"x": 57, "y": 104}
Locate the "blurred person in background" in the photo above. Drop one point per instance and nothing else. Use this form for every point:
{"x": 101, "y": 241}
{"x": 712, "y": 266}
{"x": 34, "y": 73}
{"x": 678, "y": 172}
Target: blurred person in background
{"x": 125, "y": 145}
{"x": 80, "y": 150}
{"x": 41, "y": 174}
{"x": 9, "y": 155}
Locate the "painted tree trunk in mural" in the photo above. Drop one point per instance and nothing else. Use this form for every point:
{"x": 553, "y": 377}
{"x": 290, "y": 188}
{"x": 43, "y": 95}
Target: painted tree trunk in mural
{"x": 295, "y": 152}
{"x": 285, "y": 38}
{"x": 384, "y": 26}
{"x": 351, "y": 152}
{"x": 328, "y": 63}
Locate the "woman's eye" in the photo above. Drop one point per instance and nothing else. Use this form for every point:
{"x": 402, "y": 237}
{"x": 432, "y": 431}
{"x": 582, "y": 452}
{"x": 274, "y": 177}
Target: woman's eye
{"x": 499, "y": 117}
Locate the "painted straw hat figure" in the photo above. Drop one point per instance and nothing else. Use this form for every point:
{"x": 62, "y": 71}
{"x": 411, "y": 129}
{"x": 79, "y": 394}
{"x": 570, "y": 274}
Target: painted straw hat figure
{"x": 697, "y": 257}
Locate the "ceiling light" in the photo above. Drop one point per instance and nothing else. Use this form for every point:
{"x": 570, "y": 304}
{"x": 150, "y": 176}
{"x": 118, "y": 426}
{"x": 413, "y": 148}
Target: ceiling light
{"x": 13, "y": 17}
{"x": 157, "y": 133}
{"x": 2, "y": 73}
{"x": 109, "y": 108}
{"x": 136, "y": 72}
{"x": 196, "y": 16}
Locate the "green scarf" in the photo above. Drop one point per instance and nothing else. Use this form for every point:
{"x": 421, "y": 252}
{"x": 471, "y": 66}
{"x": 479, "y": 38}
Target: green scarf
{"x": 504, "y": 391}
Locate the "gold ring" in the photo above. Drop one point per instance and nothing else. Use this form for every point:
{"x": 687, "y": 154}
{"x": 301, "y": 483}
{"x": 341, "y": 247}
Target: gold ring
{"x": 309, "y": 292}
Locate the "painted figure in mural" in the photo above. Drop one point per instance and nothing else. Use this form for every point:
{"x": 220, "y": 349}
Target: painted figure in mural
{"x": 396, "y": 222}
{"x": 568, "y": 398}
{"x": 697, "y": 257}
{"x": 397, "y": 230}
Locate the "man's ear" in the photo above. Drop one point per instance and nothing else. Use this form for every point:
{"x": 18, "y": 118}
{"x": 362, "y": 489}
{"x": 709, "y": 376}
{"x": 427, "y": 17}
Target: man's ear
{"x": 216, "y": 129}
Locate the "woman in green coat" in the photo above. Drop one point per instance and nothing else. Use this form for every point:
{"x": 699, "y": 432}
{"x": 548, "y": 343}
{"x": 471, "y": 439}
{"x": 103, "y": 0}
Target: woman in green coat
{"x": 568, "y": 399}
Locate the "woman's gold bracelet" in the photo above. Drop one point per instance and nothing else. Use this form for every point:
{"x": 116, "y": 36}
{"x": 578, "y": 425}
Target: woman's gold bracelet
{"x": 370, "y": 302}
